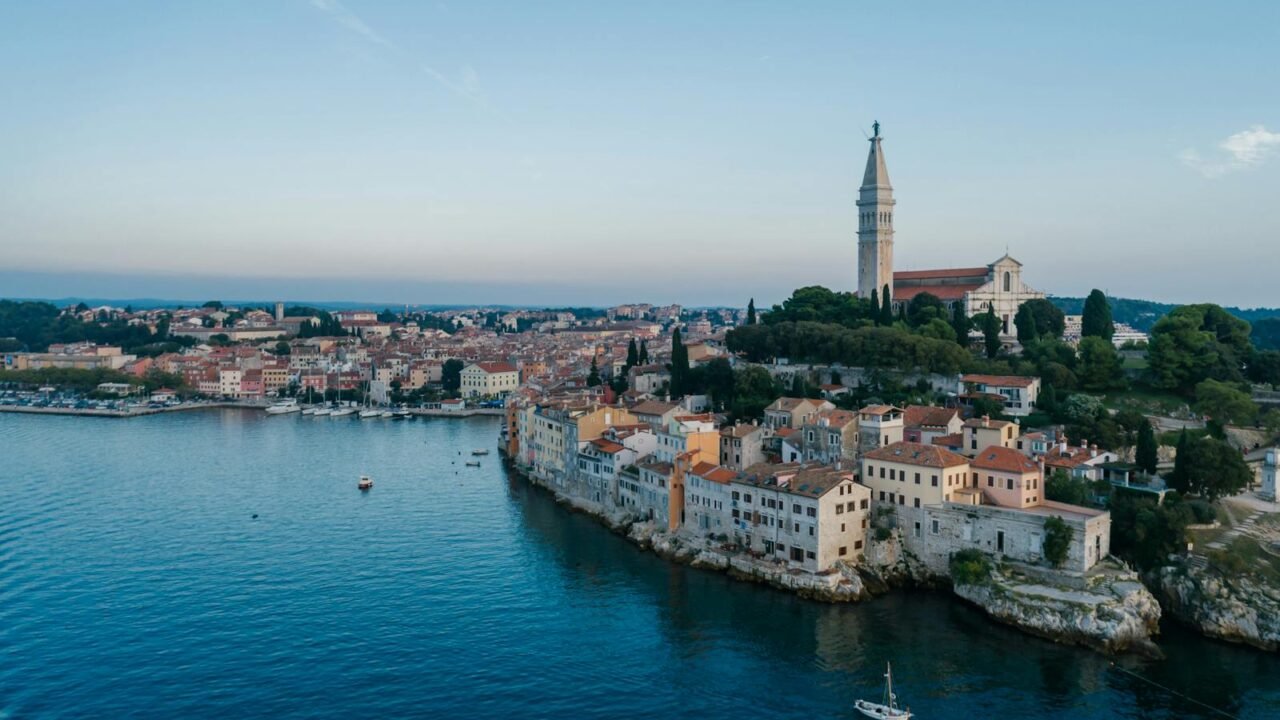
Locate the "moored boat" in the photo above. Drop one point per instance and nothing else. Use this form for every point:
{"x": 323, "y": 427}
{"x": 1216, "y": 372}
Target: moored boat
{"x": 480, "y": 451}
{"x": 342, "y": 412}
{"x": 283, "y": 407}
{"x": 368, "y": 414}
{"x": 365, "y": 482}
{"x": 887, "y": 710}
{"x": 322, "y": 412}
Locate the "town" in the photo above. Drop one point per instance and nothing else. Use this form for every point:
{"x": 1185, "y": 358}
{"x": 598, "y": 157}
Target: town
{"x": 949, "y": 425}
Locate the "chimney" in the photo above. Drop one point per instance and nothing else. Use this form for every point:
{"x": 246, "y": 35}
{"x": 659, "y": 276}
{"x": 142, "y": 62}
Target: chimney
{"x": 986, "y": 421}
{"x": 1062, "y": 446}
{"x": 1093, "y": 451}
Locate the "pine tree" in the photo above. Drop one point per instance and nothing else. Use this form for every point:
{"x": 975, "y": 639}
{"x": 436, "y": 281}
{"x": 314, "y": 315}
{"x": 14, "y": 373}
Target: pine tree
{"x": 593, "y": 378}
{"x": 875, "y": 305}
{"x": 633, "y": 354}
{"x": 1096, "y": 321}
{"x": 960, "y": 323}
{"x": 644, "y": 352}
{"x": 1146, "y": 455}
{"x": 886, "y": 307}
{"x": 751, "y": 311}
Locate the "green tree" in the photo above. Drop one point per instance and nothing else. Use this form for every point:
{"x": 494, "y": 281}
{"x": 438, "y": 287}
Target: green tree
{"x": 1194, "y": 343}
{"x": 1057, "y": 540}
{"x": 925, "y": 308}
{"x": 1096, "y": 321}
{"x": 633, "y": 354}
{"x": 991, "y": 327}
{"x": 960, "y": 323}
{"x": 593, "y": 377}
{"x": 938, "y": 329}
{"x": 451, "y": 374}
{"x": 1147, "y": 454}
{"x": 719, "y": 379}
{"x": 1225, "y": 403}
{"x": 1100, "y": 367}
{"x": 1179, "y": 479}
{"x": 886, "y": 307}
{"x": 754, "y": 389}
{"x": 1025, "y": 322}
{"x": 1266, "y": 333}
{"x": 875, "y": 306}
{"x": 679, "y": 365}
{"x": 1062, "y": 487}
{"x": 644, "y": 352}
{"x": 283, "y": 348}
{"x": 1145, "y": 532}
{"x": 1216, "y": 469}
{"x": 751, "y": 311}
{"x": 1049, "y": 319}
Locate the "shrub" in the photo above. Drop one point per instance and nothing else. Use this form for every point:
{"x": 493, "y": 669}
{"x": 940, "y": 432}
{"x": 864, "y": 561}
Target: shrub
{"x": 970, "y": 567}
{"x": 883, "y": 533}
{"x": 1202, "y": 511}
{"x": 1057, "y": 540}
{"x": 1227, "y": 562}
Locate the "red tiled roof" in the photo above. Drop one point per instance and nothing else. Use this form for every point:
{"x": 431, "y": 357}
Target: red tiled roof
{"x": 942, "y": 292}
{"x": 1004, "y": 459}
{"x": 910, "y": 453}
{"x": 496, "y": 367}
{"x": 927, "y": 415}
{"x": 999, "y": 380}
{"x": 940, "y": 274}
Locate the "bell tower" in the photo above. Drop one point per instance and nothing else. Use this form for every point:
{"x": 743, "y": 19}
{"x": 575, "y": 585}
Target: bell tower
{"x": 875, "y": 223}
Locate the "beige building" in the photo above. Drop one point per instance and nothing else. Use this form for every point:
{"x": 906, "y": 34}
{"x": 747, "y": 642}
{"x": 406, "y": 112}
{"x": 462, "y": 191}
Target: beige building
{"x": 914, "y": 475}
{"x": 489, "y": 379}
{"x": 981, "y": 433}
{"x": 787, "y": 412}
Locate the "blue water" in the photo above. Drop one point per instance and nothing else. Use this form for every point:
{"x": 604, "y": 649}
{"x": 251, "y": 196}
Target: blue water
{"x": 135, "y": 582}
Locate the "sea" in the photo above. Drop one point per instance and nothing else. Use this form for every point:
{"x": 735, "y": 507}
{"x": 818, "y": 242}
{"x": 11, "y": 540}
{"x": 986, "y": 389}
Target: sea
{"x": 223, "y": 564}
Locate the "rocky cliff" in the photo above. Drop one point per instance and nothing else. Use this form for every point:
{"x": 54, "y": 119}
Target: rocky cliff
{"x": 1240, "y": 608}
{"x": 1112, "y": 613}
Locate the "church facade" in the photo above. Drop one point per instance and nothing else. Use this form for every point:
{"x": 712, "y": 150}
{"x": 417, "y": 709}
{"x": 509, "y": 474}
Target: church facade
{"x": 997, "y": 285}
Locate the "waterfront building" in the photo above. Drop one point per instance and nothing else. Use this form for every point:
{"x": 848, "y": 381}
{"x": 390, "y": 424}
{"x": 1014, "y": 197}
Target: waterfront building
{"x": 707, "y": 499}
{"x": 488, "y": 379}
{"x": 808, "y": 516}
{"x": 742, "y": 445}
{"x": 830, "y": 437}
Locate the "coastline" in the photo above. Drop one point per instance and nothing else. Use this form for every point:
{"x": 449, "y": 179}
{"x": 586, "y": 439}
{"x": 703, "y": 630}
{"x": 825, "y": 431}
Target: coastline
{"x": 1119, "y": 616}
{"x": 231, "y": 404}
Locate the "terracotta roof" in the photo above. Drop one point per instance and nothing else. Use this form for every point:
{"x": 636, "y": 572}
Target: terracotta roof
{"x": 999, "y": 380}
{"x": 879, "y": 410}
{"x": 496, "y": 367}
{"x": 714, "y": 473}
{"x": 1005, "y": 460}
{"x": 927, "y": 416}
{"x": 608, "y": 446}
{"x": 955, "y": 440}
{"x": 984, "y": 422}
{"x": 907, "y": 293}
{"x": 916, "y": 454}
{"x": 739, "y": 431}
{"x": 654, "y": 407}
{"x": 940, "y": 274}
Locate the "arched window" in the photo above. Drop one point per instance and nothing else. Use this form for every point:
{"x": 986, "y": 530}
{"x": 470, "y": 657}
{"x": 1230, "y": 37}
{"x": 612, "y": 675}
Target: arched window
{"x": 1007, "y": 280}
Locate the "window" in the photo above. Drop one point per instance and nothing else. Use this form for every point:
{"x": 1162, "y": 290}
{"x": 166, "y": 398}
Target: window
{"x": 881, "y": 473}
{"x": 809, "y": 554}
{"x": 933, "y": 528}
{"x": 811, "y": 512}
{"x": 917, "y": 478}
{"x": 796, "y": 528}
{"x": 851, "y": 506}
{"x": 843, "y": 551}
{"x": 917, "y": 505}
{"x": 862, "y": 504}
{"x": 795, "y": 508}
{"x": 857, "y": 544}
{"x": 990, "y": 481}
{"x": 842, "y": 528}
{"x": 839, "y": 509}
{"x": 917, "y": 529}
{"x": 735, "y": 494}
{"x": 935, "y": 481}
{"x": 902, "y": 499}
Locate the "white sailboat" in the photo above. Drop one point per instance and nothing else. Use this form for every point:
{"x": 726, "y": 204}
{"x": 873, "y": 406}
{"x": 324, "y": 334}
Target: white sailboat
{"x": 888, "y": 710}
{"x": 283, "y": 407}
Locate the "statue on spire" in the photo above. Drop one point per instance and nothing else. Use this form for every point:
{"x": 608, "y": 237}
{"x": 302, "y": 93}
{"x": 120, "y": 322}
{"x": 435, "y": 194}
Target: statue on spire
{"x": 875, "y": 127}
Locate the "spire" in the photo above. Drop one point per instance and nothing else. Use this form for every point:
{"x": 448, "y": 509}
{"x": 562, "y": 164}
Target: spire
{"x": 877, "y": 174}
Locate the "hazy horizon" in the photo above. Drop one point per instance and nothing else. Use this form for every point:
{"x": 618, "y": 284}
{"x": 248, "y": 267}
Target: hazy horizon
{"x": 587, "y": 154}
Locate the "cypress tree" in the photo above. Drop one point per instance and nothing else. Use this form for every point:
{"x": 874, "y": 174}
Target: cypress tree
{"x": 1096, "y": 321}
{"x": 633, "y": 354}
{"x": 886, "y": 307}
{"x": 1180, "y": 479}
{"x": 960, "y": 323}
{"x": 875, "y": 305}
{"x": 644, "y": 352}
{"x": 593, "y": 378}
{"x": 1146, "y": 455}
{"x": 1025, "y": 322}
{"x": 751, "y": 311}
{"x": 679, "y": 364}
{"x": 991, "y": 332}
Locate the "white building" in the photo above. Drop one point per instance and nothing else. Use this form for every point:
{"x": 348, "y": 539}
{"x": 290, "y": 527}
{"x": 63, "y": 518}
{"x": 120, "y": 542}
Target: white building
{"x": 489, "y": 379}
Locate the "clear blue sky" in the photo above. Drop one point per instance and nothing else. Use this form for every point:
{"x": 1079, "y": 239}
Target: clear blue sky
{"x": 595, "y": 152}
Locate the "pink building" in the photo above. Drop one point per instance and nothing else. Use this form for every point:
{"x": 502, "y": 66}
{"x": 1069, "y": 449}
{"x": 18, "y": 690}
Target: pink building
{"x": 1008, "y": 478}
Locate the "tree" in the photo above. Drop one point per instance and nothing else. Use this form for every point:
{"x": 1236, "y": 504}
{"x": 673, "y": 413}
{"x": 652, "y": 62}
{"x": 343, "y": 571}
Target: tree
{"x": 875, "y": 306}
{"x": 1146, "y": 532}
{"x": 1179, "y": 479}
{"x": 1147, "y": 453}
{"x": 960, "y": 322}
{"x": 990, "y": 325}
{"x": 1194, "y": 343}
{"x": 1266, "y": 333}
{"x": 1025, "y": 322}
{"x": 1096, "y": 321}
{"x": 886, "y": 307}
{"x": 754, "y": 389}
{"x": 213, "y": 304}
{"x": 1062, "y": 487}
{"x": 924, "y": 308}
{"x": 1100, "y": 367}
{"x": 451, "y": 374}
{"x": 751, "y": 311}
{"x": 593, "y": 377}
{"x": 719, "y": 380}
{"x": 1049, "y": 320}
{"x": 633, "y": 354}
{"x": 1057, "y": 540}
{"x": 1216, "y": 469}
{"x": 283, "y": 348}
{"x": 1225, "y": 403}
{"x": 644, "y": 352}
{"x": 938, "y": 329}
{"x": 679, "y": 365}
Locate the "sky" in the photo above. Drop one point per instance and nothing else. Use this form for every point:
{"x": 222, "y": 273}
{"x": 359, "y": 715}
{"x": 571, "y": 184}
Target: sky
{"x": 601, "y": 152}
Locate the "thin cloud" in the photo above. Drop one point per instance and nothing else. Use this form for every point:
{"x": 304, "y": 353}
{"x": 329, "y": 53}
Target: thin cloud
{"x": 1242, "y": 150}
{"x": 468, "y": 83}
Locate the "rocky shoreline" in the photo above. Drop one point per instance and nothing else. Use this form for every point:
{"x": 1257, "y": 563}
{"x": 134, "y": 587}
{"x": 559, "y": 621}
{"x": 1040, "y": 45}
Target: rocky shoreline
{"x": 1115, "y": 614}
{"x": 1236, "y": 609}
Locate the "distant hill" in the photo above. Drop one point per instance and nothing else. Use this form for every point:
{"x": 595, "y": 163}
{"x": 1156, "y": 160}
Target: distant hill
{"x": 1142, "y": 314}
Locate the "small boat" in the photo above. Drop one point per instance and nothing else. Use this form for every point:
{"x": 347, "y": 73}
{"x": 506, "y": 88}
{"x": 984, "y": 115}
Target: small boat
{"x": 480, "y": 451}
{"x": 367, "y": 414}
{"x": 386, "y": 414}
{"x": 322, "y": 412}
{"x": 365, "y": 483}
{"x": 283, "y": 407}
{"x": 309, "y": 411}
{"x": 342, "y": 412}
{"x": 473, "y": 463}
{"x": 888, "y": 710}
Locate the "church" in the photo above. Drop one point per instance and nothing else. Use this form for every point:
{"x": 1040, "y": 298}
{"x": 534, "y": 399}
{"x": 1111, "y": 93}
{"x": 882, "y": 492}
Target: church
{"x": 998, "y": 284}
